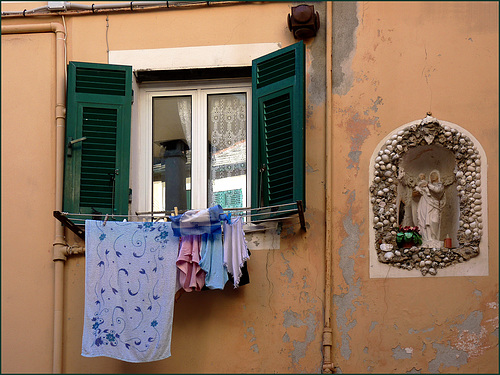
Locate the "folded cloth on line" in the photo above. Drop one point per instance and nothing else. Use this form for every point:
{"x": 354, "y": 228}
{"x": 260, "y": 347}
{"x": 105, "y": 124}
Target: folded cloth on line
{"x": 191, "y": 276}
{"x": 195, "y": 222}
{"x": 130, "y": 282}
{"x": 235, "y": 249}
{"x": 212, "y": 259}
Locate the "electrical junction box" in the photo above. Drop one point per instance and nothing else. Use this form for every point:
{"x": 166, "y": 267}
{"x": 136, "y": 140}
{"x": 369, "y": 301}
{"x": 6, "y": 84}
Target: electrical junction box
{"x": 56, "y": 5}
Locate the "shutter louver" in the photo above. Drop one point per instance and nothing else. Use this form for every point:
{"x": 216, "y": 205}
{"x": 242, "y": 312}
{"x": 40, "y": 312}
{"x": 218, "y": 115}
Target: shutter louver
{"x": 279, "y": 149}
{"x": 99, "y": 81}
{"x": 275, "y": 70}
{"x": 98, "y": 113}
{"x": 98, "y": 157}
{"x": 278, "y": 164}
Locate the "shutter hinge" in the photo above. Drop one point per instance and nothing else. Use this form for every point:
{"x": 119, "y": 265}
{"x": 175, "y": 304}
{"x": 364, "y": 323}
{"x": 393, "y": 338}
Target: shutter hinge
{"x": 132, "y": 99}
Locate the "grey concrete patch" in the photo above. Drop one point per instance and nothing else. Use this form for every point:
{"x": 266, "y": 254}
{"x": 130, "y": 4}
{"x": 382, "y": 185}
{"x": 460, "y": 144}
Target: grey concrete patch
{"x": 291, "y": 318}
{"x": 288, "y": 273}
{"x": 345, "y": 22}
{"x": 286, "y": 338}
{"x": 472, "y": 323}
{"x": 448, "y": 357}
{"x": 495, "y": 332}
{"x": 400, "y": 353}
{"x": 316, "y": 54}
{"x": 412, "y": 331}
{"x": 345, "y": 301}
{"x": 354, "y": 156}
{"x": 372, "y": 326}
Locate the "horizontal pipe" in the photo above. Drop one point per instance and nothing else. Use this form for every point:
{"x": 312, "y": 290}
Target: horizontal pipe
{"x": 82, "y": 9}
{"x": 33, "y": 28}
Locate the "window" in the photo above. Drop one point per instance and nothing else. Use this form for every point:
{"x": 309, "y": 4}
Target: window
{"x": 232, "y": 143}
{"x": 198, "y": 144}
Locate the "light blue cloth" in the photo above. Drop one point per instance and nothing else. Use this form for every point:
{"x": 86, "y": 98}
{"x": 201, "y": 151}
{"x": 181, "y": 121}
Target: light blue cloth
{"x": 196, "y": 222}
{"x": 130, "y": 282}
{"x": 212, "y": 259}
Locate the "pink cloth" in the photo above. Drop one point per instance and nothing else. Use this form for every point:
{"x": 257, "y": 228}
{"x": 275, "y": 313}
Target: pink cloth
{"x": 191, "y": 276}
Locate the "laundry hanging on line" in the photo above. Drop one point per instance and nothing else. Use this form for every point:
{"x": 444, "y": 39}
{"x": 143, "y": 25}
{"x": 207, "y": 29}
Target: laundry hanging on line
{"x": 133, "y": 270}
{"x": 130, "y": 281}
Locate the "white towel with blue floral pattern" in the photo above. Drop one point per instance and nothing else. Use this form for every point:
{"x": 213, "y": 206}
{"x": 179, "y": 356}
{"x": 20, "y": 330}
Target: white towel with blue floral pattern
{"x": 130, "y": 282}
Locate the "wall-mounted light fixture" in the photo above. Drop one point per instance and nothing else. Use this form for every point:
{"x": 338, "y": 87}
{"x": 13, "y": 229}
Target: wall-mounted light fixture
{"x": 303, "y": 22}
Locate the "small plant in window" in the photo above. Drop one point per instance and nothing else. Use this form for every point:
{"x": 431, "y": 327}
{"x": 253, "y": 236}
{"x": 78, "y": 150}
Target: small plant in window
{"x": 408, "y": 236}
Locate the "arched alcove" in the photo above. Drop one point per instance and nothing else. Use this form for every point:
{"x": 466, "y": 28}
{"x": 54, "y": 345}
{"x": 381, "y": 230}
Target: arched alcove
{"x": 428, "y": 177}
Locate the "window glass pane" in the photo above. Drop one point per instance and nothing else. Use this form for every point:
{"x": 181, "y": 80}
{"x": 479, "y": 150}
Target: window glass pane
{"x": 171, "y": 153}
{"x": 227, "y": 134}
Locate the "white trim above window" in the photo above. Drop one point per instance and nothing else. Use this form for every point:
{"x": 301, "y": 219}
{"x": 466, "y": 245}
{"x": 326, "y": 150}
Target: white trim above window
{"x": 192, "y": 57}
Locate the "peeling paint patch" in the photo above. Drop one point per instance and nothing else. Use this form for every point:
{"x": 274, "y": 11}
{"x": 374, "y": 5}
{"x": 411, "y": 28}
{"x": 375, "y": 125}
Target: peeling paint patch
{"x": 375, "y": 105}
{"x": 354, "y": 156}
{"x": 286, "y": 338}
{"x": 472, "y": 343}
{"x": 400, "y": 353}
{"x": 288, "y": 273}
{"x": 447, "y": 356}
{"x": 291, "y": 318}
{"x": 305, "y": 285}
{"x": 478, "y": 293}
{"x": 495, "y": 332}
{"x": 472, "y": 336}
{"x": 255, "y": 348}
{"x": 412, "y": 331}
{"x": 472, "y": 323}
{"x": 372, "y": 326}
{"x": 365, "y": 350}
{"x": 345, "y": 23}
{"x": 345, "y": 301}
{"x": 310, "y": 169}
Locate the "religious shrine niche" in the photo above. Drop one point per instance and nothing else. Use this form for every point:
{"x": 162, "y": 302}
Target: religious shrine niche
{"x": 426, "y": 198}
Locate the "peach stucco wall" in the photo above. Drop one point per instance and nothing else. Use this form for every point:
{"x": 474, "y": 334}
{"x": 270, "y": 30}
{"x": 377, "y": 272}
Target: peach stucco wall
{"x": 392, "y": 62}
{"x": 274, "y": 324}
{"x": 28, "y": 184}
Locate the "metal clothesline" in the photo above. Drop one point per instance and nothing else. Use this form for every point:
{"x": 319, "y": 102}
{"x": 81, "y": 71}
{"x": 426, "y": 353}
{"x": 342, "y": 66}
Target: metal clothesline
{"x": 273, "y": 213}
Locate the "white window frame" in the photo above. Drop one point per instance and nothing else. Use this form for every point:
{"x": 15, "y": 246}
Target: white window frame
{"x": 216, "y": 56}
{"x": 142, "y": 181}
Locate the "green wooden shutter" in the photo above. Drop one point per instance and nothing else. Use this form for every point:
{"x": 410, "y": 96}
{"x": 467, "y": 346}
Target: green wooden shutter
{"x": 99, "y": 99}
{"x": 278, "y": 138}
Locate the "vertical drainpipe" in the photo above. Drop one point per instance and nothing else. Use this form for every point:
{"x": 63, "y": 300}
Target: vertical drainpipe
{"x": 327, "y": 329}
{"x": 59, "y": 245}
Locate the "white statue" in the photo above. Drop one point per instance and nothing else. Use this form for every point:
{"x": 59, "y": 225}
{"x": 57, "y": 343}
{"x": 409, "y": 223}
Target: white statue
{"x": 431, "y": 201}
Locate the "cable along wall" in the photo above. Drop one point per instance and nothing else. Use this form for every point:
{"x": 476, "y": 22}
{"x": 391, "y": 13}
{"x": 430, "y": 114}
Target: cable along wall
{"x": 422, "y": 150}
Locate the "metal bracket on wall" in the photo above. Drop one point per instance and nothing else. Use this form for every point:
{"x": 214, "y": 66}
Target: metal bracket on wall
{"x": 68, "y": 223}
{"x": 270, "y": 213}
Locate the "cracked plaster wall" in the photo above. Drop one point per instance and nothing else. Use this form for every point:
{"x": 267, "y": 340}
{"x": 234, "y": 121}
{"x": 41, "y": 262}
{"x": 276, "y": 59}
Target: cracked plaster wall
{"x": 392, "y": 63}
